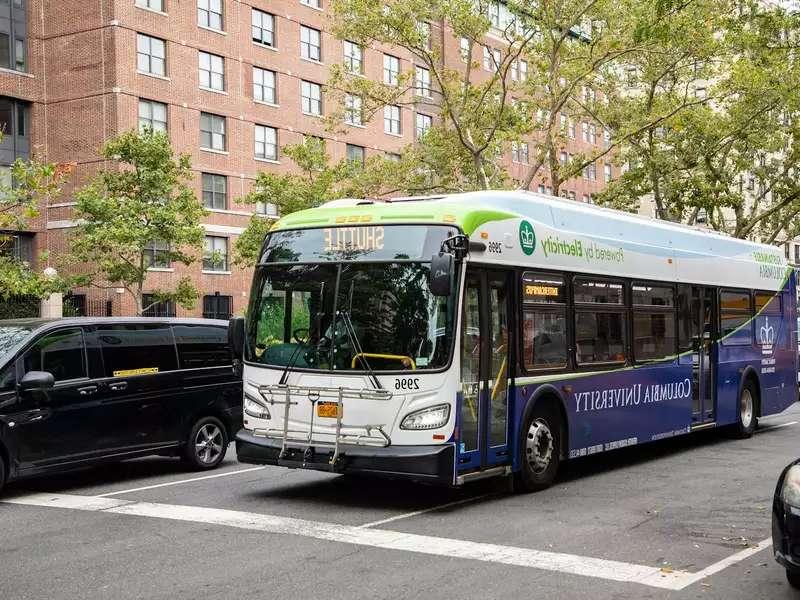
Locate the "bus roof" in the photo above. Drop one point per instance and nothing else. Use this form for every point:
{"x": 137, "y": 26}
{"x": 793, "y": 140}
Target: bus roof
{"x": 557, "y": 221}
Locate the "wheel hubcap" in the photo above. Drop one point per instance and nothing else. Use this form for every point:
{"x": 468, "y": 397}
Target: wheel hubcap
{"x": 746, "y": 408}
{"x": 208, "y": 443}
{"x": 539, "y": 446}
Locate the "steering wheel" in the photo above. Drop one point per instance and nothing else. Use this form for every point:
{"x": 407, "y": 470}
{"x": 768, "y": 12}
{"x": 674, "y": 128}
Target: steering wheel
{"x": 300, "y": 339}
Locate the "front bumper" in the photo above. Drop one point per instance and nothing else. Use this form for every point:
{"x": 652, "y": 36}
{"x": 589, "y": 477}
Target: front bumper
{"x": 421, "y": 463}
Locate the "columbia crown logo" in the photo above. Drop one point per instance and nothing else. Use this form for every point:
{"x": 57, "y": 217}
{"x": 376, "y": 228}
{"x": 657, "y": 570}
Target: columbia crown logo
{"x": 527, "y": 238}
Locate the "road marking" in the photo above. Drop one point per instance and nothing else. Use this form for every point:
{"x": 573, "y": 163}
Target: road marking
{"x": 729, "y": 561}
{"x": 778, "y": 426}
{"x": 423, "y": 511}
{"x": 377, "y": 538}
{"x": 169, "y": 483}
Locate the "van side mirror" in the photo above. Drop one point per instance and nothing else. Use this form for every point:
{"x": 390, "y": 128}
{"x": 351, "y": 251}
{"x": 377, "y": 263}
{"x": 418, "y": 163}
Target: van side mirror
{"x": 236, "y": 337}
{"x": 39, "y": 381}
{"x": 442, "y": 274}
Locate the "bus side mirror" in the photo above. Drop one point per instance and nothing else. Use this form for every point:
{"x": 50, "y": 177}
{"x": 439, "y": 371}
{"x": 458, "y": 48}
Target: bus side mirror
{"x": 236, "y": 336}
{"x": 442, "y": 273}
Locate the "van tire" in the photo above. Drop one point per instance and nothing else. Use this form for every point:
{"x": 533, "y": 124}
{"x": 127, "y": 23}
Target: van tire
{"x": 206, "y": 444}
{"x": 539, "y": 447}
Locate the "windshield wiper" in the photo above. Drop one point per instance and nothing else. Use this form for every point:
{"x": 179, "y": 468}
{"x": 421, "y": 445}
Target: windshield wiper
{"x": 351, "y": 333}
{"x": 290, "y": 364}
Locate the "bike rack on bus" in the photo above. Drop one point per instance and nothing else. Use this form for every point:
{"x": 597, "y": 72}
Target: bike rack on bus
{"x": 282, "y": 393}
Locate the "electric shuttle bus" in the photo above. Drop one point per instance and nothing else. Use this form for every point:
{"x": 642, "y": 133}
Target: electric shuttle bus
{"x": 497, "y": 333}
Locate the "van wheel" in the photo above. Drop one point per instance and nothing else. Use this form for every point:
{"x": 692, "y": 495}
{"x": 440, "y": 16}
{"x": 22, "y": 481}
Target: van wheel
{"x": 746, "y": 423}
{"x": 540, "y": 448}
{"x": 206, "y": 445}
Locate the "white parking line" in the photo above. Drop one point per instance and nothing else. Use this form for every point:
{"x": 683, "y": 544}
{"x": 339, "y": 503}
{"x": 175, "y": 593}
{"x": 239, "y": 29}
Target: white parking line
{"x": 778, "y": 426}
{"x": 169, "y": 483}
{"x": 423, "y": 511}
{"x": 393, "y": 540}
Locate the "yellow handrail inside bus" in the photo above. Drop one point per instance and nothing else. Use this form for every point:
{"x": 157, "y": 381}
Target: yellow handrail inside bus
{"x": 497, "y": 380}
{"x": 406, "y": 360}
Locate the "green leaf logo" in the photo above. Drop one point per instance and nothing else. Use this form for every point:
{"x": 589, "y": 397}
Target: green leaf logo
{"x": 527, "y": 238}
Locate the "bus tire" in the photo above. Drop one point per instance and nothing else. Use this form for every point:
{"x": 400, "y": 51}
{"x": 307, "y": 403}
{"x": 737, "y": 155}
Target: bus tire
{"x": 746, "y": 421}
{"x": 540, "y": 448}
{"x": 206, "y": 445}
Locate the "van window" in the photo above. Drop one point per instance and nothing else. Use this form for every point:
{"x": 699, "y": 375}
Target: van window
{"x": 8, "y": 377}
{"x": 202, "y": 346}
{"x": 137, "y": 349}
{"x": 60, "y": 353}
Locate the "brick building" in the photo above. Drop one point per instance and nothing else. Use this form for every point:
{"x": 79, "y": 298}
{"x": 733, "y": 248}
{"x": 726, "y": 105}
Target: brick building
{"x": 231, "y": 81}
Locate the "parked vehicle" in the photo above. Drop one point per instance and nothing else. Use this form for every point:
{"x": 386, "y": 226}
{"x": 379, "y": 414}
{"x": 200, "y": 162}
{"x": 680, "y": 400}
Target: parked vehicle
{"x": 81, "y": 391}
{"x": 786, "y": 522}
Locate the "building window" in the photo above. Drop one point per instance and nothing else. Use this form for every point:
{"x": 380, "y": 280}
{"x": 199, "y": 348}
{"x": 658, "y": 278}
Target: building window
{"x": 421, "y": 124}
{"x": 424, "y": 30}
{"x": 541, "y": 188}
{"x": 464, "y": 48}
{"x": 391, "y": 69}
{"x": 590, "y": 172}
{"x": 212, "y": 131}
{"x": 519, "y": 152}
{"x": 215, "y": 191}
{"x": 264, "y": 86}
{"x": 312, "y": 3}
{"x": 13, "y": 34}
{"x": 608, "y": 173}
{"x": 153, "y": 115}
{"x": 153, "y": 307}
{"x": 585, "y": 130}
{"x": 563, "y": 157}
{"x": 209, "y": 14}
{"x": 310, "y": 43}
{"x": 215, "y": 253}
{"x": 157, "y": 5}
{"x": 212, "y": 71}
{"x": 217, "y": 306}
{"x": 592, "y": 133}
{"x": 266, "y": 142}
{"x": 393, "y": 156}
{"x": 487, "y": 59}
{"x": 571, "y": 128}
{"x": 353, "y": 57}
{"x": 14, "y": 125}
{"x": 311, "y": 98}
{"x": 267, "y": 209}
{"x": 355, "y": 154}
{"x": 263, "y": 28}
{"x": 151, "y": 55}
{"x": 519, "y": 70}
{"x": 391, "y": 119}
{"x": 422, "y": 82}
{"x": 156, "y": 255}
{"x": 353, "y": 110}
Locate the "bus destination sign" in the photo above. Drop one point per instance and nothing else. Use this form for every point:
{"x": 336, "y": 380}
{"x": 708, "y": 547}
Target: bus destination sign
{"x": 343, "y": 239}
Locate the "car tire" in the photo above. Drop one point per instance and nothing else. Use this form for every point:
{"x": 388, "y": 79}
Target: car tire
{"x": 206, "y": 444}
{"x": 747, "y": 420}
{"x": 539, "y": 448}
{"x": 793, "y": 577}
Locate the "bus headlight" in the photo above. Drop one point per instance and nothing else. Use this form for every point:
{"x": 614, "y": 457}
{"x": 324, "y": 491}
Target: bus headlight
{"x": 432, "y": 417}
{"x": 255, "y": 408}
{"x": 790, "y": 493}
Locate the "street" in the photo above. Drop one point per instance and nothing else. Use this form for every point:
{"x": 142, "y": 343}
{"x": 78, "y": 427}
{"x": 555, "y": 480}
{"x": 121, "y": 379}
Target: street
{"x": 684, "y": 518}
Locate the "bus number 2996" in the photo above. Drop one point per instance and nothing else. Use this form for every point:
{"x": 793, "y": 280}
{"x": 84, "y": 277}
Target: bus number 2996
{"x": 406, "y": 383}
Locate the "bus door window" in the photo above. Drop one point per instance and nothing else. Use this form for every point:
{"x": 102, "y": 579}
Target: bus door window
{"x": 498, "y": 372}
{"x": 470, "y": 363}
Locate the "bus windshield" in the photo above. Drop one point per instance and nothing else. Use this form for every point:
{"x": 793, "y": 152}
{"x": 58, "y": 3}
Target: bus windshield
{"x": 383, "y": 317}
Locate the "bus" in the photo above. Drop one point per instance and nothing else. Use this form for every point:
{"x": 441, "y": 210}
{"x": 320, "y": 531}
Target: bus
{"x": 496, "y": 333}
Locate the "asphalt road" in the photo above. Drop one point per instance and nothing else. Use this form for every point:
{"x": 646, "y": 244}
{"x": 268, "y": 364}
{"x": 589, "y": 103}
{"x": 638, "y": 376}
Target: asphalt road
{"x": 677, "y": 519}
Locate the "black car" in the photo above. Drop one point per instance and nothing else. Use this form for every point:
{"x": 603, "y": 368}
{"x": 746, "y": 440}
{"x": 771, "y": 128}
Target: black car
{"x": 786, "y": 522}
{"x": 77, "y": 392}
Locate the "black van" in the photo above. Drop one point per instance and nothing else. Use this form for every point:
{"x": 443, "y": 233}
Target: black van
{"x": 76, "y": 392}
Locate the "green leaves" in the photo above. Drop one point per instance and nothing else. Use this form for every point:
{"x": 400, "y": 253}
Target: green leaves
{"x": 146, "y": 197}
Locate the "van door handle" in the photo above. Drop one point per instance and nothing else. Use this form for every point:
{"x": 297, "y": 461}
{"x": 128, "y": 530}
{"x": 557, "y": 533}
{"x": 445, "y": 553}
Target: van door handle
{"x": 88, "y": 390}
{"x": 119, "y": 386}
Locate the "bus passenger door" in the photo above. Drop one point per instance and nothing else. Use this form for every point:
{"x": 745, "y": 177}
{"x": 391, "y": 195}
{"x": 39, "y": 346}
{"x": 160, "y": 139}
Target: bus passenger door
{"x": 704, "y": 335}
{"x": 485, "y": 370}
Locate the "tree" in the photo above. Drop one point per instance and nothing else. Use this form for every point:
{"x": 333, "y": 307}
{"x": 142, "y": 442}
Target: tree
{"x": 726, "y": 152}
{"x": 318, "y": 180}
{"x": 31, "y": 185}
{"x": 144, "y": 199}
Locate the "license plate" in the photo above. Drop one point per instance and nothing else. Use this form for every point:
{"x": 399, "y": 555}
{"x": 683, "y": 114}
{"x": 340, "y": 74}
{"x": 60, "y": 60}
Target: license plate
{"x": 330, "y": 410}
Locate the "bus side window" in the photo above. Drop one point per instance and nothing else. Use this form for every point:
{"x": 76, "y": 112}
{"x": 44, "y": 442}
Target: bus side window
{"x": 544, "y": 321}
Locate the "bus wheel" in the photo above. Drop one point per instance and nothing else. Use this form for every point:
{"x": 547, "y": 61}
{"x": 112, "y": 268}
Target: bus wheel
{"x": 747, "y": 411}
{"x": 540, "y": 448}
